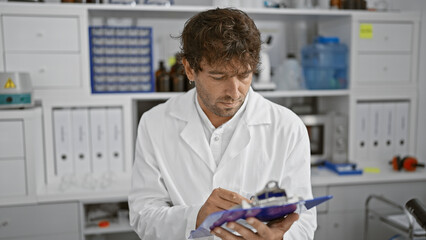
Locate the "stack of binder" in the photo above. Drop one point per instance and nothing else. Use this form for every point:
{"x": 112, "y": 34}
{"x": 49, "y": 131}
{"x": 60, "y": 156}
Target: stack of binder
{"x": 88, "y": 140}
{"x": 381, "y": 131}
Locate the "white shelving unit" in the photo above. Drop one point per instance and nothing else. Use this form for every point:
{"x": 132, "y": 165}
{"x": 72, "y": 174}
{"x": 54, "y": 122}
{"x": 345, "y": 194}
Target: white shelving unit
{"x": 116, "y": 226}
{"x": 372, "y": 78}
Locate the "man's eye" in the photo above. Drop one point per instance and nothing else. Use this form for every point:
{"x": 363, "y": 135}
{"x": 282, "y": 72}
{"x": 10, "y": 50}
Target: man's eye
{"x": 242, "y": 77}
{"x": 218, "y": 77}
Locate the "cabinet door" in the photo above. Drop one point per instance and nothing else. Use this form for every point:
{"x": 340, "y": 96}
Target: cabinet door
{"x": 11, "y": 139}
{"x": 47, "y": 70}
{"x": 32, "y": 221}
{"x": 395, "y": 37}
{"x": 321, "y": 232}
{"x": 347, "y": 225}
{"x": 352, "y": 198}
{"x": 12, "y": 159}
{"x": 384, "y": 69}
{"x": 64, "y": 236}
{"x": 25, "y": 33}
{"x": 12, "y": 178}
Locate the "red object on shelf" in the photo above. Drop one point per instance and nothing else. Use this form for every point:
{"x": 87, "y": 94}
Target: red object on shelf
{"x": 103, "y": 224}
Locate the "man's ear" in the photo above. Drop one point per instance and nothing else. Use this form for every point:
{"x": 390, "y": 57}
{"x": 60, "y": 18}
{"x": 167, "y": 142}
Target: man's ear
{"x": 188, "y": 70}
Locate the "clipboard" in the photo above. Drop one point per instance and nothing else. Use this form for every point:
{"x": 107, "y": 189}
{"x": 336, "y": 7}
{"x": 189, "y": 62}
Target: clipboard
{"x": 264, "y": 214}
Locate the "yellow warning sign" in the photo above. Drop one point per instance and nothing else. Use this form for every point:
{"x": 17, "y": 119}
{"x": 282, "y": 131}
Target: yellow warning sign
{"x": 9, "y": 84}
{"x": 365, "y": 31}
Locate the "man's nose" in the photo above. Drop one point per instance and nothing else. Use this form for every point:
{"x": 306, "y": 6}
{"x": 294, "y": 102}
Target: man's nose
{"x": 232, "y": 87}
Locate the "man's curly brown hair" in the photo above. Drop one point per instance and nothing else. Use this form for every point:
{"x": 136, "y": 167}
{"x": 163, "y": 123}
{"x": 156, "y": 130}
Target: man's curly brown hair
{"x": 221, "y": 37}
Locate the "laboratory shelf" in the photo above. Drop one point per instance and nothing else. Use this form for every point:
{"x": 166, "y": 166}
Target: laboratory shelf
{"x": 112, "y": 228}
{"x": 268, "y": 94}
{"x": 304, "y": 93}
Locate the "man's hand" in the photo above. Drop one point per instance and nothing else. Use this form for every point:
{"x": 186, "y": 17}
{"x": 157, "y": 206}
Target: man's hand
{"x": 220, "y": 199}
{"x": 271, "y": 231}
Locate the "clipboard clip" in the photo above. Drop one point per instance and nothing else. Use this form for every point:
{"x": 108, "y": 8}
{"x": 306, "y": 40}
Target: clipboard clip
{"x": 271, "y": 195}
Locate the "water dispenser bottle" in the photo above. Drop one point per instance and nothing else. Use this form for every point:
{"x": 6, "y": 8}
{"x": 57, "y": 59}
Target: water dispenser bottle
{"x": 325, "y": 64}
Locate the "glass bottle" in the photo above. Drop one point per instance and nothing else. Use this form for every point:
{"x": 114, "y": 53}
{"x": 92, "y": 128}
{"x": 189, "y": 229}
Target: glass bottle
{"x": 162, "y": 78}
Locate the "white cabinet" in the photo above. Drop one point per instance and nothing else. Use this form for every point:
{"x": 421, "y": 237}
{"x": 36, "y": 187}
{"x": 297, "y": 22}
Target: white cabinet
{"x": 43, "y": 221}
{"x": 345, "y": 214}
{"x": 386, "y": 37}
{"x": 386, "y": 51}
{"x": 113, "y": 212}
{"x": 384, "y": 68}
{"x": 48, "y": 70}
{"x": 12, "y": 159}
{"x": 21, "y": 151}
{"x": 43, "y": 33}
{"x": 47, "y": 46}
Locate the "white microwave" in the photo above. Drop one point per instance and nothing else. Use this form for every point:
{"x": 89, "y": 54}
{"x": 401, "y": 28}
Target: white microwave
{"x": 328, "y": 137}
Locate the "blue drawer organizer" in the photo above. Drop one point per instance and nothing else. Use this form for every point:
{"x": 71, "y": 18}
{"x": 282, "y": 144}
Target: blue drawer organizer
{"x": 121, "y": 59}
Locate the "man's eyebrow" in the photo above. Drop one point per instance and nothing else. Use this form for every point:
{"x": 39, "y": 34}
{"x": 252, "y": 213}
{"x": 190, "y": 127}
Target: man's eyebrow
{"x": 246, "y": 72}
{"x": 215, "y": 72}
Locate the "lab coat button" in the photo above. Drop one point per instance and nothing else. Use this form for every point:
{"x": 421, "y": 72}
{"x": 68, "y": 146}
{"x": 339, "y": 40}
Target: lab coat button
{"x": 216, "y": 138}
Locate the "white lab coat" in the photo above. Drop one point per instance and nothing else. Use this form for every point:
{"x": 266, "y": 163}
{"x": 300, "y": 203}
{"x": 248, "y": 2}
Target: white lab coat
{"x": 174, "y": 171}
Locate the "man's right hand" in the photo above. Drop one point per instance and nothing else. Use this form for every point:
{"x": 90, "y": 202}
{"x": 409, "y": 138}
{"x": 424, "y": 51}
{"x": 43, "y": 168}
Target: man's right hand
{"x": 220, "y": 199}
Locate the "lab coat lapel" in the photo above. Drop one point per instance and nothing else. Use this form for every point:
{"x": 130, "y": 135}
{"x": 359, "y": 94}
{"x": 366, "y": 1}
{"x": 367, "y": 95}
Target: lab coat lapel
{"x": 255, "y": 115}
{"x": 238, "y": 143}
{"x": 193, "y": 133}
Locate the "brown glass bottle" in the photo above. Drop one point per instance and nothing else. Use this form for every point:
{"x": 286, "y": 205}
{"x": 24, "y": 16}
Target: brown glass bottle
{"x": 177, "y": 76}
{"x": 162, "y": 79}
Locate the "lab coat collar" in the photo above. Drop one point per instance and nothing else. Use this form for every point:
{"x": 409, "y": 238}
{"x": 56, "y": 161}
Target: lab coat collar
{"x": 184, "y": 109}
{"x": 256, "y": 112}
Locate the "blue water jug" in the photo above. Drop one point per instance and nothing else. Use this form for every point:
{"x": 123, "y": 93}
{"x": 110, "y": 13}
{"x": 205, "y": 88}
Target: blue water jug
{"x": 325, "y": 64}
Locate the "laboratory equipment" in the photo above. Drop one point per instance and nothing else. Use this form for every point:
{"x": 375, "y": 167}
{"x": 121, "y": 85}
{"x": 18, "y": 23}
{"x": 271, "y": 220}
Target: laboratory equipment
{"x": 15, "y": 90}
{"x": 398, "y": 219}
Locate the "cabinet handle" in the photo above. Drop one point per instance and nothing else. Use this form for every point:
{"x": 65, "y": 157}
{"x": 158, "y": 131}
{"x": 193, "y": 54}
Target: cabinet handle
{"x": 42, "y": 70}
{"x": 4, "y": 224}
{"x": 39, "y": 34}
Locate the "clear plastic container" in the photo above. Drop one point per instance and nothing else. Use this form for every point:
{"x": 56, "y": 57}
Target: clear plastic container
{"x": 325, "y": 64}
{"x": 289, "y": 75}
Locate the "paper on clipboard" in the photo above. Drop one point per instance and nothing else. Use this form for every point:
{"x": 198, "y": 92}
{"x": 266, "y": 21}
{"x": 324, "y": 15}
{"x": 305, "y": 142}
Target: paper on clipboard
{"x": 264, "y": 214}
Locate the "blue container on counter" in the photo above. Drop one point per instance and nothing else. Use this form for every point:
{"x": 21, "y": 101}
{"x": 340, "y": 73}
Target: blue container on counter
{"x": 325, "y": 64}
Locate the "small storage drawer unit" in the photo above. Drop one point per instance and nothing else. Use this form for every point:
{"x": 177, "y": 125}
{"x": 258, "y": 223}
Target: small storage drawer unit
{"x": 121, "y": 59}
{"x": 394, "y": 37}
{"x": 384, "y": 68}
{"x": 47, "y": 70}
{"x": 23, "y": 33}
{"x": 385, "y": 53}
{"x": 48, "y": 47}
{"x": 53, "y": 221}
{"x": 12, "y": 159}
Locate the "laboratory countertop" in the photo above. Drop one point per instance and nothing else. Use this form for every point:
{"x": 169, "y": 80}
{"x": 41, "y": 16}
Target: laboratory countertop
{"x": 321, "y": 177}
